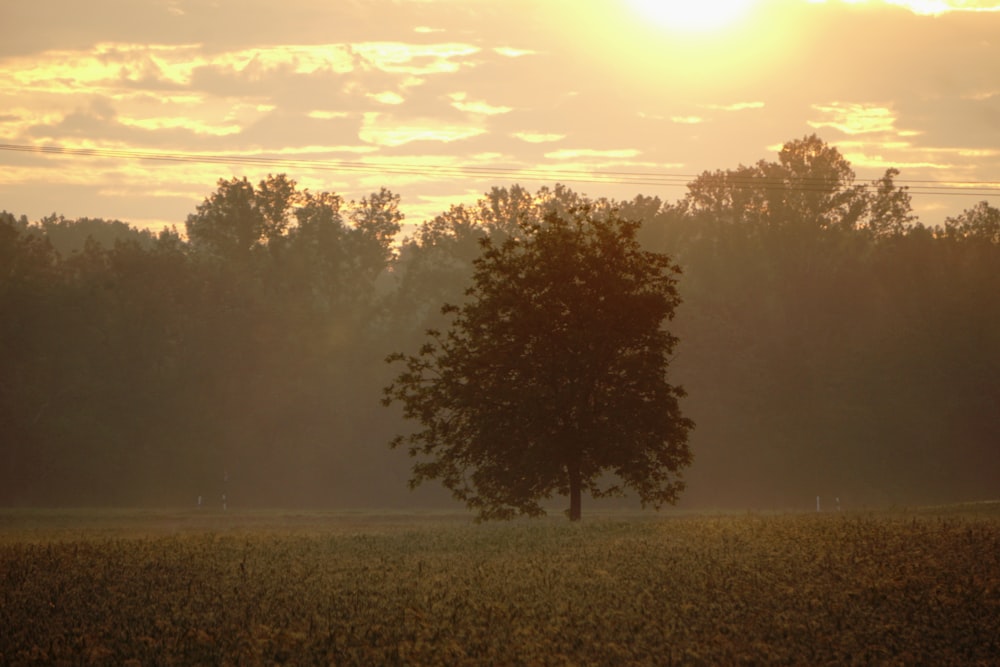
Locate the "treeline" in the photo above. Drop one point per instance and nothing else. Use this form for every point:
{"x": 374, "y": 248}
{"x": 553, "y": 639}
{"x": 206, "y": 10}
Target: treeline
{"x": 831, "y": 344}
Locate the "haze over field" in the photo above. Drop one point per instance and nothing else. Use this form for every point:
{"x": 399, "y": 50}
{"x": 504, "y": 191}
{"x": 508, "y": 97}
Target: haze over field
{"x": 441, "y": 100}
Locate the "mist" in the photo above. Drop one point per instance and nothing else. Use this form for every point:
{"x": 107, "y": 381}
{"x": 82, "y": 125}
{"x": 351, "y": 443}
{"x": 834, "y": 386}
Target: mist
{"x": 242, "y": 362}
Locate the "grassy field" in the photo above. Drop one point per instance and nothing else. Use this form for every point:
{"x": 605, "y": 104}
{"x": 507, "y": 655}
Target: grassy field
{"x": 146, "y": 588}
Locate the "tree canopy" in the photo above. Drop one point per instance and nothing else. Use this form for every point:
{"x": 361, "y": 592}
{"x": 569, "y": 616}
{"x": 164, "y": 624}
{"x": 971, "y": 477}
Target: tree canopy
{"x": 832, "y": 344}
{"x": 553, "y": 372}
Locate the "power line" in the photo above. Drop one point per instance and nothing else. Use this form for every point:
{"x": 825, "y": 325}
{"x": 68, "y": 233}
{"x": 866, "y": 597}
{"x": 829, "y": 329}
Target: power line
{"x": 653, "y": 179}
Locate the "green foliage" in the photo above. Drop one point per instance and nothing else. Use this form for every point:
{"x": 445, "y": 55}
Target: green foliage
{"x": 553, "y": 371}
{"x": 918, "y": 588}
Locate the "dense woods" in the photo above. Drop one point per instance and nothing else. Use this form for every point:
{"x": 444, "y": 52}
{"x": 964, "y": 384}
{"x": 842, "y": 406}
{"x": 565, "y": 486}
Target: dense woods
{"x": 831, "y": 344}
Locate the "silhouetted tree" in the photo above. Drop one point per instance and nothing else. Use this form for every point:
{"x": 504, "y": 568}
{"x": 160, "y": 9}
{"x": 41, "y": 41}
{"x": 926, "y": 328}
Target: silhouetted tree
{"x": 553, "y": 372}
{"x": 811, "y": 187}
{"x": 70, "y": 236}
{"x": 889, "y": 214}
{"x": 239, "y": 219}
{"x": 377, "y": 220}
{"x": 979, "y": 223}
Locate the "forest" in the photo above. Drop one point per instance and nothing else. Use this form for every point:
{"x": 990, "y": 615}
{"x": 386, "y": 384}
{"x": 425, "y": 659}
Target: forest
{"x": 831, "y": 343}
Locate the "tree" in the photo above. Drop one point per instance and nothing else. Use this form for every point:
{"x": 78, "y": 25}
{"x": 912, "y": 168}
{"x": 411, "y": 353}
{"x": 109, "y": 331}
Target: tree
{"x": 239, "y": 219}
{"x": 890, "y": 213}
{"x": 70, "y": 236}
{"x": 979, "y": 223}
{"x": 377, "y": 219}
{"x": 810, "y": 187}
{"x": 553, "y": 373}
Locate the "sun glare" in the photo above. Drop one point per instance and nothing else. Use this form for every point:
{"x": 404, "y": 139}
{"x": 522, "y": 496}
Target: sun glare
{"x": 692, "y": 15}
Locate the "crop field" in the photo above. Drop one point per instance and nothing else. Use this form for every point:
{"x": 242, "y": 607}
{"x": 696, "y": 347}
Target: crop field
{"x": 914, "y": 587}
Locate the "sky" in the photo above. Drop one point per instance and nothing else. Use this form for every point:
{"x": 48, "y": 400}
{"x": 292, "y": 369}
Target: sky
{"x": 134, "y": 109}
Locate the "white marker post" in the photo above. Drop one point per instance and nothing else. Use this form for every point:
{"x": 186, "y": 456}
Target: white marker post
{"x": 817, "y": 504}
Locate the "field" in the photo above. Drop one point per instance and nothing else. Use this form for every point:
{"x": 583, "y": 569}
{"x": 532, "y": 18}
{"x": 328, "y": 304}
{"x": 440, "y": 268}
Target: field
{"x": 147, "y": 588}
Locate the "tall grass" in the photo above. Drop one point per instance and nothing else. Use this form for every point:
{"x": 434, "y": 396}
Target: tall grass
{"x": 912, "y": 588}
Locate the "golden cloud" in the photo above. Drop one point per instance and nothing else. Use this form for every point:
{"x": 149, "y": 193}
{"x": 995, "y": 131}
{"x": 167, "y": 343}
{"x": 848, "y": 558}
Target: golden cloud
{"x": 905, "y": 155}
{"x": 851, "y": 118}
{"x": 930, "y": 7}
{"x": 576, "y": 153}
{"x": 388, "y": 97}
{"x": 307, "y": 59}
{"x": 382, "y": 130}
{"x": 108, "y": 65}
{"x": 738, "y": 106}
{"x": 539, "y": 137}
{"x": 460, "y": 101}
{"x": 510, "y": 52}
{"x": 327, "y": 115}
{"x": 174, "y": 122}
{"x": 936, "y": 7}
{"x": 414, "y": 59}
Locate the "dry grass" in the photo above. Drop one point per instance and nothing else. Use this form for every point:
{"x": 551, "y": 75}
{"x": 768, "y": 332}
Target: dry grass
{"x": 919, "y": 587}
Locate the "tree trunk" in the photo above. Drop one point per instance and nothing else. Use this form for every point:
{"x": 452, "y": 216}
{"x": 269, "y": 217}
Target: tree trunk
{"x": 573, "y": 469}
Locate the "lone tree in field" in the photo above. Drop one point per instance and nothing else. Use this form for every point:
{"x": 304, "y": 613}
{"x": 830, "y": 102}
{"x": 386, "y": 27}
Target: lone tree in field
{"x": 553, "y": 372}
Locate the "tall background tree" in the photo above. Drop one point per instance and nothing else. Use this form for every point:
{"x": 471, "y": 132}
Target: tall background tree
{"x": 840, "y": 345}
{"x": 553, "y": 372}
{"x": 832, "y": 343}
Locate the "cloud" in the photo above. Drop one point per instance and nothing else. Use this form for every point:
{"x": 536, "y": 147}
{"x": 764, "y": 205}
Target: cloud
{"x": 174, "y": 122}
{"x": 327, "y": 115}
{"x": 936, "y": 7}
{"x": 114, "y": 66}
{"x": 547, "y": 88}
{"x": 415, "y": 59}
{"x": 384, "y": 130}
{"x": 511, "y": 52}
{"x": 539, "y": 137}
{"x": 319, "y": 151}
{"x": 737, "y": 106}
{"x": 295, "y": 59}
{"x": 577, "y": 153}
{"x": 461, "y": 102}
{"x": 929, "y": 7}
{"x": 387, "y": 97}
{"x": 853, "y": 118}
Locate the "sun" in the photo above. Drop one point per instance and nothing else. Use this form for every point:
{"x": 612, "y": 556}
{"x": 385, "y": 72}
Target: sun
{"x": 692, "y": 15}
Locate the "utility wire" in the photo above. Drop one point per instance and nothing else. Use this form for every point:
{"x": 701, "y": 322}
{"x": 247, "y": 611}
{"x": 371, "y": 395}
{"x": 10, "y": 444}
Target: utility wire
{"x": 654, "y": 179}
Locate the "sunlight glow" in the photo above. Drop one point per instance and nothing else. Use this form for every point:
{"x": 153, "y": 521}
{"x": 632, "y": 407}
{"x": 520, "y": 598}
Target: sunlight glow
{"x": 930, "y": 7}
{"x": 686, "y": 16}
